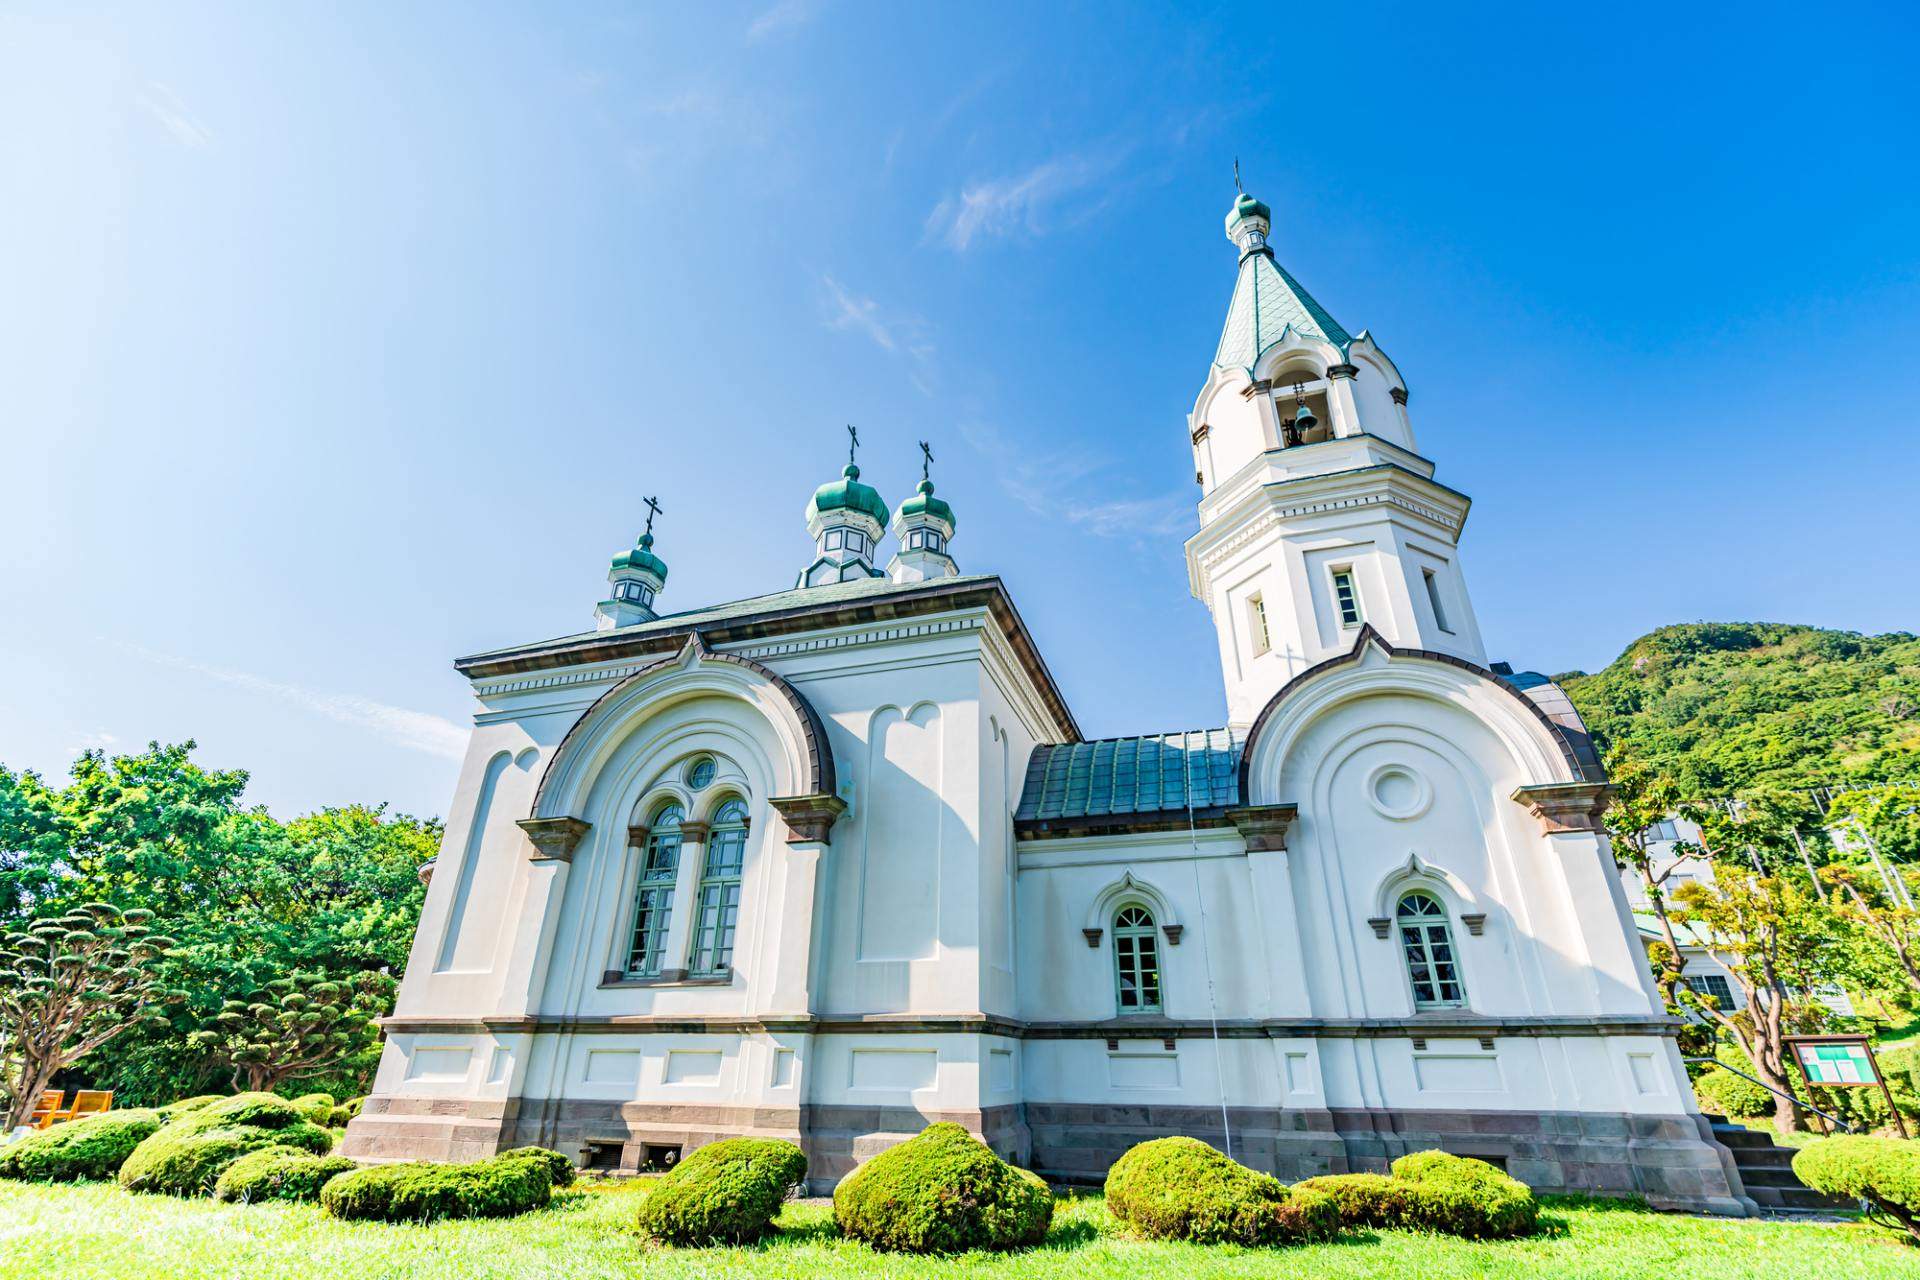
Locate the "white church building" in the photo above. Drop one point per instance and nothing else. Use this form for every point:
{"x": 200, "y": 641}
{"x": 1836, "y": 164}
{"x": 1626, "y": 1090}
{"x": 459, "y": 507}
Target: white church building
{"x": 833, "y": 863}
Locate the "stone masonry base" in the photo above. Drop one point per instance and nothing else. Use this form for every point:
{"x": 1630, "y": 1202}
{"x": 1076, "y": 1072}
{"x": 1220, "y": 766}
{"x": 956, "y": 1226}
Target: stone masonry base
{"x": 1671, "y": 1161}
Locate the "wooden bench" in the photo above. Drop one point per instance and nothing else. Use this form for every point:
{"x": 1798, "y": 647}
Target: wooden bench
{"x": 87, "y": 1102}
{"x": 43, "y": 1110}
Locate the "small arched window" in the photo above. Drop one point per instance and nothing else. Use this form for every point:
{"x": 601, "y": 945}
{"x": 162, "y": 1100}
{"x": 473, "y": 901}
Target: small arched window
{"x": 653, "y": 900}
{"x": 720, "y": 891}
{"x": 1136, "y": 958}
{"x": 1426, "y": 938}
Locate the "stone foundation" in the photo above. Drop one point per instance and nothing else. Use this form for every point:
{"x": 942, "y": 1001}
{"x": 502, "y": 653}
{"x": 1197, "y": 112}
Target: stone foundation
{"x": 1670, "y": 1161}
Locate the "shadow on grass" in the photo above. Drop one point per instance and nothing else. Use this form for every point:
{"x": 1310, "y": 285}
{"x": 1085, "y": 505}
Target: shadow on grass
{"x": 1070, "y": 1235}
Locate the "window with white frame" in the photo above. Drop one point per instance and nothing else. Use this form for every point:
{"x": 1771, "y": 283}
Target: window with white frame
{"x": 1346, "y": 597}
{"x": 1433, "y": 598}
{"x": 1426, "y": 940}
{"x": 1257, "y": 624}
{"x": 1136, "y": 958}
{"x": 720, "y": 891}
{"x": 653, "y": 899}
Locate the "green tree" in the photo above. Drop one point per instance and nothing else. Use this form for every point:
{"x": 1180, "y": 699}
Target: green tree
{"x": 296, "y": 1027}
{"x": 70, "y": 984}
{"x": 1642, "y": 798}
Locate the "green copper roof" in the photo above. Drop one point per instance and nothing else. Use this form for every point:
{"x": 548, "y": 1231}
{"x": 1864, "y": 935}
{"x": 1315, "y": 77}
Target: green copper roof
{"x": 1245, "y": 206}
{"x": 1267, "y": 302}
{"x": 848, "y": 494}
{"x": 642, "y": 558}
{"x": 1152, "y": 774}
{"x": 924, "y": 503}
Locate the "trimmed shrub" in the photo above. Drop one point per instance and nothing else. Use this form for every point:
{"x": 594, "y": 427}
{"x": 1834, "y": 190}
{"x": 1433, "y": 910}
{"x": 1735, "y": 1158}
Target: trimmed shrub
{"x": 1462, "y": 1196}
{"x": 184, "y": 1105}
{"x": 279, "y": 1173}
{"x": 421, "y": 1191}
{"x": 1885, "y": 1171}
{"x": 190, "y": 1152}
{"x": 725, "y": 1192}
{"x": 1183, "y": 1189}
{"x": 1724, "y": 1093}
{"x": 316, "y": 1107}
{"x": 1367, "y": 1199}
{"x": 943, "y": 1191}
{"x": 560, "y": 1170}
{"x": 91, "y": 1147}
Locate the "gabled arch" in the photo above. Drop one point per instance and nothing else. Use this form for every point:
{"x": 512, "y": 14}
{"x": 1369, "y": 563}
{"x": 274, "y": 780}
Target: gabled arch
{"x": 1417, "y": 874}
{"x": 1131, "y": 888}
{"x": 1373, "y": 666}
{"x": 692, "y": 672}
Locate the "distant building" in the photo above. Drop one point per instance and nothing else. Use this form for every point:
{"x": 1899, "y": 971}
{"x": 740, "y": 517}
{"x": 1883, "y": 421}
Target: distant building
{"x": 834, "y": 862}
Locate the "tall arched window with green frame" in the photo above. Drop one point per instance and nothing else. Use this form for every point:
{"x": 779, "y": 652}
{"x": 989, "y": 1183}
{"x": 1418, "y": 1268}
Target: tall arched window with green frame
{"x": 720, "y": 891}
{"x": 1136, "y": 959}
{"x": 653, "y": 899}
{"x": 1426, "y": 940}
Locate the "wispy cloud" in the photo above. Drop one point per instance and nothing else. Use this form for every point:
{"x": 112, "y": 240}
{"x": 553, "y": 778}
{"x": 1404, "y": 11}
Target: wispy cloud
{"x": 99, "y": 740}
{"x": 1056, "y": 484}
{"x": 1022, "y": 204}
{"x": 164, "y": 105}
{"x": 414, "y": 730}
{"x": 788, "y": 15}
{"x": 896, "y": 333}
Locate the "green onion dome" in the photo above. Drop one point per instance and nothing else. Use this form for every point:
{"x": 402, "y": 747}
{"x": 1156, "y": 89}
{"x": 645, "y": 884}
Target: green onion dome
{"x": 924, "y": 503}
{"x": 642, "y": 558}
{"x": 1245, "y": 206}
{"x": 848, "y": 494}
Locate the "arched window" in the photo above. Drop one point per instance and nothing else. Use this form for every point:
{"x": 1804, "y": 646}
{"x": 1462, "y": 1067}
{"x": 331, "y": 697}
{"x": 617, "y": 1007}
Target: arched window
{"x": 653, "y": 901}
{"x": 720, "y": 891}
{"x": 1427, "y": 940}
{"x": 1136, "y": 958}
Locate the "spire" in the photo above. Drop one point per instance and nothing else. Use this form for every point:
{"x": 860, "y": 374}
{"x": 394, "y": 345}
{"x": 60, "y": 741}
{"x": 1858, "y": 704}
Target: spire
{"x": 924, "y": 525}
{"x": 846, "y": 520}
{"x": 1267, "y": 302}
{"x": 636, "y": 578}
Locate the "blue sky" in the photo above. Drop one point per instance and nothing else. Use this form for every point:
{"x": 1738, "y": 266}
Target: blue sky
{"x": 340, "y": 340}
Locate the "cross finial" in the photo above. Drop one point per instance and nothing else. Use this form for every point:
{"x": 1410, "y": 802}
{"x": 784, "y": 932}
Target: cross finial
{"x": 853, "y": 442}
{"x": 926, "y": 460}
{"x": 1236, "y": 176}
{"x": 653, "y": 509}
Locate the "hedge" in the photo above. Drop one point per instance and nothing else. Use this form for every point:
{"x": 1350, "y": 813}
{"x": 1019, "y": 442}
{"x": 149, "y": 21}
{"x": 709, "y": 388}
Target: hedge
{"x": 174, "y": 1110}
{"x": 560, "y": 1170}
{"x": 726, "y": 1192}
{"x": 420, "y": 1191}
{"x": 1885, "y": 1171}
{"x": 91, "y": 1147}
{"x": 1433, "y": 1191}
{"x": 279, "y": 1173}
{"x": 943, "y": 1191}
{"x": 1723, "y": 1093}
{"x": 318, "y": 1108}
{"x": 191, "y": 1151}
{"x": 1182, "y": 1189}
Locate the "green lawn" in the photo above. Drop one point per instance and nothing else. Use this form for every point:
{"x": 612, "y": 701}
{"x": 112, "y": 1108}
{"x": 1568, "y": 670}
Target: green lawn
{"x": 96, "y": 1232}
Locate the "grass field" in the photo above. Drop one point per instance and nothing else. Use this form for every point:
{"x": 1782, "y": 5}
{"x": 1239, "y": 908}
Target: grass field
{"x": 98, "y": 1232}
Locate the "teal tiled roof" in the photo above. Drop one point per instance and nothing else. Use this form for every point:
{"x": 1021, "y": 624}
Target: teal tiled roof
{"x": 848, "y": 494}
{"x": 1266, "y": 303}
{"x": 1152, "y": 774}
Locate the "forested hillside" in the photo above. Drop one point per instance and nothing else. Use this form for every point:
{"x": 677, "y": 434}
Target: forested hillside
{"x": 1724, "y": 707}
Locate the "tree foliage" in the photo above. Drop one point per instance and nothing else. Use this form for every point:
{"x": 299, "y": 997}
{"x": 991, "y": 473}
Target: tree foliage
{"x": 69, "y": 984}
{"x": 301, "y": 1025}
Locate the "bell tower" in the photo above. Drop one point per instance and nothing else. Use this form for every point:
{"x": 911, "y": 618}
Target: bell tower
{"x": 1318, "y": 514}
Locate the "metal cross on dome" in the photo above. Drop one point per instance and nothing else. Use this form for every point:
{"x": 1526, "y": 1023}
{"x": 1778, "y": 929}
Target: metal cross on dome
{"x": 926, "y": 460}
{"x": 653, "y": 509}
{"x": 853, "y": 442}
{"x": 1236, "y": 176}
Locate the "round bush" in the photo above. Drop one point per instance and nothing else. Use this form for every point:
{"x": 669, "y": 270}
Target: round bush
{"x": 190, "y": 1152}
{"x": 1366, "y": 1199}
{"x": 91, "y": 1147}
{"x": 184, "y": 1105}
{"x": 725, "y": 1192}
{"x": 1462, "y": 1196}
{"x": 425, "y": 1192}
{"x": 1183, "y": 1189}
{"x": 1885, "y": 1171}
{"x": 943, "y": 1191}
{"x": 279, "y": 1173}
{"x": 560, "y": 1170}
{"x": 317, "y": 1108}
{"x": 1724, "y": 1093}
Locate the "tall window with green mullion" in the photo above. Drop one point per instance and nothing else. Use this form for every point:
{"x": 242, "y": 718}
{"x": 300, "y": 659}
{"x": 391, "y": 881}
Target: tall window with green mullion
{"x": 653, "y": 900}
{"x": 1426, "y": 939}
{"x": 720, "y": 891}
{"x": 1136, "y": 958}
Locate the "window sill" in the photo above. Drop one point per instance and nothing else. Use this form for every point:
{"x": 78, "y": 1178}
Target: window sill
{"x": 613, "y": 978}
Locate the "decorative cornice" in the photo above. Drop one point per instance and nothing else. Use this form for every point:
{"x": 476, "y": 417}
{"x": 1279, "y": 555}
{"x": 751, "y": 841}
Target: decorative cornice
{"x": 1092, "y": 936}
{"x": 1399, "y": 395}
{"x": 809, "y": 818}
{"x": 1562, "y": 807}
{"x": 1173, "y": 932}
{"x": 1476, "y": 922}
{"x": 554, "y": 839}
{"x": 694, "y": 832}
{"x": 1200, "y": 432}
{"x": 1379, "y": 925}
{"x": 1264, "y": 826}
{"x": 1344, "y": 371}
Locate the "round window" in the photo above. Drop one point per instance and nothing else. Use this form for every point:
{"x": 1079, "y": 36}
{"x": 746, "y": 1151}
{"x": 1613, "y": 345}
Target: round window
{"x": 700, "y": 772}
